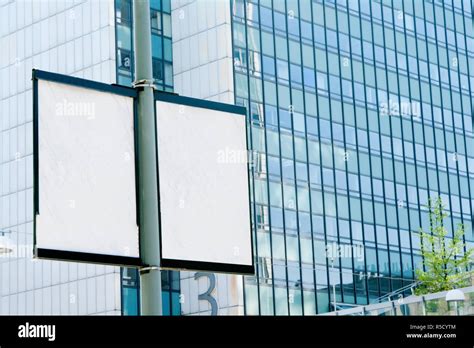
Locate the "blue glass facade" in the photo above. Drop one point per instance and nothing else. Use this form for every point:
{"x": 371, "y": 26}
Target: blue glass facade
{"x": 358, "y": 112}
{"x": 162, "y": 54}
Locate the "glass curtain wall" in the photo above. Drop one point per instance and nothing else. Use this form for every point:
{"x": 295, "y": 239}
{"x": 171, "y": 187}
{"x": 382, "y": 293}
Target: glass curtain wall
{"x": 358, "y": 111}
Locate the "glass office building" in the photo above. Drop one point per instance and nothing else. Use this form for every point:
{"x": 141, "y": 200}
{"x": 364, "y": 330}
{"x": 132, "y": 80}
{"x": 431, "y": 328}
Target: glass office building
{"x": 160, "y": 12}
{"x": 68, "y": 37}
{"x": 358, "y": 112}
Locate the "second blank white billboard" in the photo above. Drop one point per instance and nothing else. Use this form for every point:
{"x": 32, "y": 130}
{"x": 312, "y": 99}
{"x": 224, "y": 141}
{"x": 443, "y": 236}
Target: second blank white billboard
{"x": 203, "y": 186}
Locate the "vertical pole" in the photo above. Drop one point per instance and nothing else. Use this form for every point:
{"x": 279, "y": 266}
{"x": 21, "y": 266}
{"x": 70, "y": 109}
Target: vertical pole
{"x": 334, "y": 287}
{"x": 150, "y": 276}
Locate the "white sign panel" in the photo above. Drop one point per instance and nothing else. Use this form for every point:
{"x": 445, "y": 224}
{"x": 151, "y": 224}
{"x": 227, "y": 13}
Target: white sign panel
{"x": 85, "y": 175}
{"x": 203, "y": 186}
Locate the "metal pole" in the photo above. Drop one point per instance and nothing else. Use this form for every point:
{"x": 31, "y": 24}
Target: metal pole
{"x": 334, "y": 287}
{"x": 150, "y": 276}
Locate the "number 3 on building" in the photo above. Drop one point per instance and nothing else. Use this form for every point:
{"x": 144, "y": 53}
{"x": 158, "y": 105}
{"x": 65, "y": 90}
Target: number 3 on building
{"x": 207, "y": 296}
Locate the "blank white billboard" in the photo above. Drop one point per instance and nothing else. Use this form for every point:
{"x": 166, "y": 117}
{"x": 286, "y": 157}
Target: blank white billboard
{"x": 85, "y": 175}
{"x": 203, "y": 186}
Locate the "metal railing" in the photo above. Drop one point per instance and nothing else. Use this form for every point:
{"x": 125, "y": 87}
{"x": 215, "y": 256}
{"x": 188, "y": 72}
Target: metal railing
{"x": 430, "y": 304}
{"x": 391, "y": 295}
